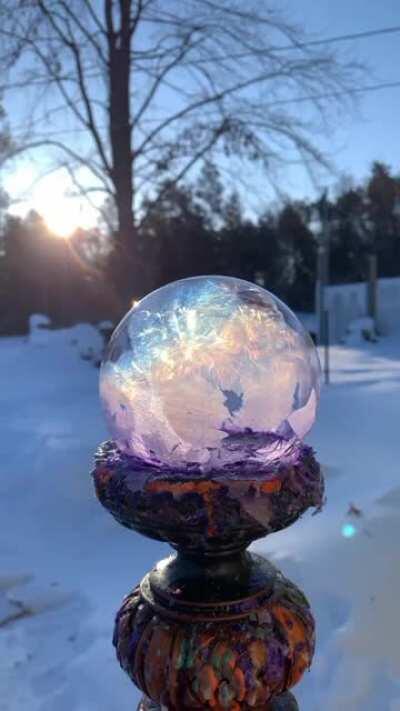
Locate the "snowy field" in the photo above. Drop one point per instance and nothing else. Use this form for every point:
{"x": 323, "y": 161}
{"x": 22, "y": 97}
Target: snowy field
{"x": 65, "y": 564}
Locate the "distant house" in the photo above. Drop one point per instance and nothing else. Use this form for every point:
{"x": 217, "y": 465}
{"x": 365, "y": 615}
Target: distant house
{"x": 349, "y": 302}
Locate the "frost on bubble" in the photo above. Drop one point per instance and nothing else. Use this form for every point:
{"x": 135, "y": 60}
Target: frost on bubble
{"x": 209, "y": 370}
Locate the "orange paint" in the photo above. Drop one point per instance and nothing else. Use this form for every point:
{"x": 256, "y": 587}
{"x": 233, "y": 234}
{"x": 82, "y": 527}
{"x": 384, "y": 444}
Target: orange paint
{"x": 103, "y": 476}
{"x": 302, "y": 662}
{"x": 176, "y": 652}
{"x": 158, "y": 652}
{"x": 239, "y": 684}
{"x": 206, "y": 489}
{"x": 258, "y": 653}
{"x": 208, "y": 681}
{"x": 271, "y": 487}
{"x": 294, "y": 629}
{"x": 206, "y": 639}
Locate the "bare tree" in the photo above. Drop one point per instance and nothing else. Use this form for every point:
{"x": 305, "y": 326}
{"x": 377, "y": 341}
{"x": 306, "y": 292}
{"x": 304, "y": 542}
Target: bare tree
{"x": 140, "y": 91}
{"x": 5, "y": 149}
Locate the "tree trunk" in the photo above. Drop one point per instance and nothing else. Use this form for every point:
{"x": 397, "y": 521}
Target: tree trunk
{"x": 126, "y": 264}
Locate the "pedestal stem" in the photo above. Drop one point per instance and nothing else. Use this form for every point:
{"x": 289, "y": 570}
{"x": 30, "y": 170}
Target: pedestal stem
{"x": 285, "y": 702}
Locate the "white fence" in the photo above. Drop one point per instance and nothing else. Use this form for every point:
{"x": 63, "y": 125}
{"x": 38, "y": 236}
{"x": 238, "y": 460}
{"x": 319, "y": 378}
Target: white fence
{"x": 347, "y": 302}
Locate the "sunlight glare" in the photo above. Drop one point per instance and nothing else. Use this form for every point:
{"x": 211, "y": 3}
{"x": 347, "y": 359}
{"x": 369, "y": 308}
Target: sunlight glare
{"x": 62, "y": 217}
{"x": 61, "y": 211}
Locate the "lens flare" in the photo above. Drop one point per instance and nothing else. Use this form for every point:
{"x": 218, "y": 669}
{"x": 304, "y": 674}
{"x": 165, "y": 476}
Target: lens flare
{"x": 348, "y": 530}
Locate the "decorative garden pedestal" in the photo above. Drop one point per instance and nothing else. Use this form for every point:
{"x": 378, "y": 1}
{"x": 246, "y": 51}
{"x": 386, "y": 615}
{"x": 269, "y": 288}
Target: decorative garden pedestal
{"x": 213, "y": 626}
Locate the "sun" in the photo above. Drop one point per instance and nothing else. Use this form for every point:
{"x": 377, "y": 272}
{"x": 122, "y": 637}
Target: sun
{"x": 56, "y": 202}
{"x": 62, "y": 211}
{"x": 63, "y": 216}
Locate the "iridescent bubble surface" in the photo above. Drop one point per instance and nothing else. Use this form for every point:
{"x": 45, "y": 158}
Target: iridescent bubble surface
{"x": 209, "y": 371}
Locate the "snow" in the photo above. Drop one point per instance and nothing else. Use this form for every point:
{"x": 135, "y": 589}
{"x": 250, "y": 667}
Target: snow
{"x": 348, "y": 302}
{"x": 361, "y": 329}
{"x": 65, "y": 564}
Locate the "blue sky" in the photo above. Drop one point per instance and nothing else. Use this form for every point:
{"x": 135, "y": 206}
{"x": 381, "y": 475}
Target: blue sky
{"x": 372, "y": 133}
{"x": 369, "y": 133}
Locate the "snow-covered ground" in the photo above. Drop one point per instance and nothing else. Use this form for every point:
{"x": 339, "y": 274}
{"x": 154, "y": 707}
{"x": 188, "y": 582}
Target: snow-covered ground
{"x": 65, "y": 564}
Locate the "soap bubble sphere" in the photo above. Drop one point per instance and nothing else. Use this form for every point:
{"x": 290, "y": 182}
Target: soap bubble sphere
{"x": 209, "y": 371}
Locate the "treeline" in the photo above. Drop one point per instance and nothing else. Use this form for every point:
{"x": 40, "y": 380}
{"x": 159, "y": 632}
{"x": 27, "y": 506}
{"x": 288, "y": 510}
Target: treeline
{"x": 42, "y": 273}
{"x": 199, "y": 229}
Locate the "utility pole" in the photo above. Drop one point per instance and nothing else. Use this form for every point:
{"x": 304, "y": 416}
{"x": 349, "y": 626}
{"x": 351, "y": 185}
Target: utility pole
{"x": 323, "y": 279}
{"x": 373, "y": 289}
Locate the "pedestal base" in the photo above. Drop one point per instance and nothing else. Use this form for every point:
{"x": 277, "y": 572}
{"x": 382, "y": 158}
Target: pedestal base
{"x": 285, "y": 702}
{"x": 229, "y": 633}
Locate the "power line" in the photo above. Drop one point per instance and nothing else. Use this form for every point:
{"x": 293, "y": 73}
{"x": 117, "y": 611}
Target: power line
{"x": 301, "y": 45}
{"x": 278, "y": 102}
{"x": 342, "y": 38}
{"x": 316, "y": 97}
{"x": 334, "y": 94}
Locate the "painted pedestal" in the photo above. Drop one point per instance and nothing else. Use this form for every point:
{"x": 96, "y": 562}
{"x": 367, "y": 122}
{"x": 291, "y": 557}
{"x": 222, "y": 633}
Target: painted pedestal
{"x": 213, "y": 626}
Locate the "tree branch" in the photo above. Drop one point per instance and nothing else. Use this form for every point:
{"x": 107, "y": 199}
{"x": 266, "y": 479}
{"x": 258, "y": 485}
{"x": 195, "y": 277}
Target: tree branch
{"x": 213, "y": 98}
{"x": 89, "y": 6}
{"x": 85, "y": 32}
{"x": 189, "y": 165}
{"x": 90, "y": 122}
{"x": 185, "y": 47}
{"x": 81, "y": 160}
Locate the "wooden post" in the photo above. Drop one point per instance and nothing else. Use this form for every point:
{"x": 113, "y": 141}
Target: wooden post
{"x": 323, "y": 266}
{"x": 326, "y": 347}
{"x": 373, "y": 289}
{"x": 320, "y": 294}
